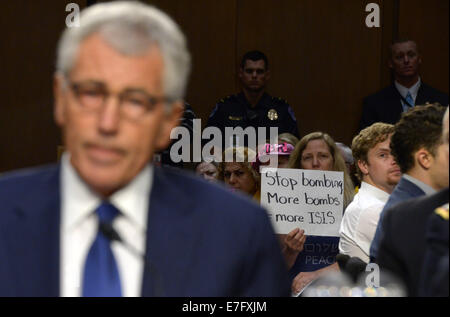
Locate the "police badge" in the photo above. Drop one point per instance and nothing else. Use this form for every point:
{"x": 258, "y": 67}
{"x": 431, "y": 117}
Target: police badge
{"x": 272, "y": 115}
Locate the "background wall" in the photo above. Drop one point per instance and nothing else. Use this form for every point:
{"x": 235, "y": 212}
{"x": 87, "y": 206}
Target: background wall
{"x": 323, "y": 58}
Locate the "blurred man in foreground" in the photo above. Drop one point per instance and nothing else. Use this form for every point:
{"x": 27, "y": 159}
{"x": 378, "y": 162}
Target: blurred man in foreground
{"x": 106, "y": 222}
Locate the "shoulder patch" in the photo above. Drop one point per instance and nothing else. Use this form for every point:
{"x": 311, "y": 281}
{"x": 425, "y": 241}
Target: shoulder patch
{"x": 279, "y": 100}
{"x": 223, "y": 100}
{"x": 214, "y": 111}
{"x": 442, "y": 212}
{"x": 291, "y": 112}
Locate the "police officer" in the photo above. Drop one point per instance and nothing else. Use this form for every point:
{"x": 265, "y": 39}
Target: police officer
{"x": 253, "y": 107}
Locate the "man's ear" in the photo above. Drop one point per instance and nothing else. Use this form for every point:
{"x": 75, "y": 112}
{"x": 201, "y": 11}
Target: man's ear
{"x": 363, "y": 166}
{"x": 390, "y": 65}
{"x": 424, "y": 158}
{"x": 268, "y": 74}
{"x": 171, "y": 120}
{"x": 240, "y": 73}
{"x": 58, "y": 93}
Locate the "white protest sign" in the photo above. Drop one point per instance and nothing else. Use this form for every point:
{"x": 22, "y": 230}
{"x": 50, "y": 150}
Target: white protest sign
{"x": 306, "y": 199}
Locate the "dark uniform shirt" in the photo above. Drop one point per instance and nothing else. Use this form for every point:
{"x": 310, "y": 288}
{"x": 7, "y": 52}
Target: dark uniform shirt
{"x": 235, "y": 111}
{"x": 163, "y": 158}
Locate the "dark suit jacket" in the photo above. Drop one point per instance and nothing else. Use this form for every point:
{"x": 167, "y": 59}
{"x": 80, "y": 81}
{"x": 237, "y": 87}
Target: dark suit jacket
{"x": 435, "y": 274}
{"x": 385, "y": 105}
{"x": 403, "y": 245}
{"x": 201, "y": 239}
{"x": 403, "y": 191}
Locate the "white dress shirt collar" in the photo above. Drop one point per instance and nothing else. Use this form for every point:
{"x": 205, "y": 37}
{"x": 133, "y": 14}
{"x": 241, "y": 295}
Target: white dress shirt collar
{"x": 80, "y": 201}
{"x": 79, "y": 225}
{"x": 374, "y": 192}
{"x": 426, "y": 188}
{"x": 414, "y": 90}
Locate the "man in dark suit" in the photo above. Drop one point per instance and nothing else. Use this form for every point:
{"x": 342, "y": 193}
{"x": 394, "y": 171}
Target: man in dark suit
{"x": 418, "y": 148}
{"x": 407, "y": 91}
{"x": 435, "y": 271}
{"x": 105, "y": 222}
{"x": 404, "y": 240}
{"x": 403, "y": 246}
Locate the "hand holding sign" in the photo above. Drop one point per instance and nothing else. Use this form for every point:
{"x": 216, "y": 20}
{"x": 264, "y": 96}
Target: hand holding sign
{"x": 295, "y": 240}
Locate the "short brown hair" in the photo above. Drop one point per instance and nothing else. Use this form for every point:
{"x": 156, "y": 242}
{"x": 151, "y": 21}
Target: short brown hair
{"x": 367, "y": 139}
{"x": 420, "y": 127}
{"x": 401, "y": 41}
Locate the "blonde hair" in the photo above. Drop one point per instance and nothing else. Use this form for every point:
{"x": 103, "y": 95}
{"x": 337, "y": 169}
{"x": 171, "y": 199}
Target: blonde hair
{"x": 295, "y": 161}
{"x": 245, "y": 157}
{"x": 288, "y": 138}
{"x": 368, "y": 139}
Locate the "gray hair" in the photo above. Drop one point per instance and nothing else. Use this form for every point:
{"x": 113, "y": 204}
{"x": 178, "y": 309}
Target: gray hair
{"x": 446, "y": 115}
{"x": 131, "y": 27}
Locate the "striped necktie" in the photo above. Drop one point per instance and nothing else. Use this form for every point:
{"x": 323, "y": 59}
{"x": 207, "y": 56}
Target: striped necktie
{"x": 409, "y": 99}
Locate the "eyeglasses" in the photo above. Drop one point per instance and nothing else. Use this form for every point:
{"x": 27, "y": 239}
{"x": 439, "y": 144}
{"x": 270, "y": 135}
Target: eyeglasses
{"x": 133, "y": 103}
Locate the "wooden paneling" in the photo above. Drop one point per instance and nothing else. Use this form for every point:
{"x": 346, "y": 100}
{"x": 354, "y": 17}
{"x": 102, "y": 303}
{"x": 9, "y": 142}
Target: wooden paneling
{"x": 210, "y": 27}
{"x": 323, "y": 59}
{"x": 30, "y": 30}
{"x": 426, "y": 22}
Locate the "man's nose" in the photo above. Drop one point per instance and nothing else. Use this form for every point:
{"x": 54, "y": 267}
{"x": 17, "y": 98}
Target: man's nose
{"x": 393, "y": 161}
{"x": 232, "y": 178}
{"x": 109, "y": 116}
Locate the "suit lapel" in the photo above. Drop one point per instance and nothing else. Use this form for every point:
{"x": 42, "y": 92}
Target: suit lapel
{"x": 33, "y": 238}
{"x": 409, "y": 188}
{"x": 422, "y": 95}
{"x": 169, "y": 236}
{"x": 398, "y": 103}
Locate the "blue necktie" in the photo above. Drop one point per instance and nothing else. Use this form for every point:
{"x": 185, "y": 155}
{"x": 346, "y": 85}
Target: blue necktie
{"x": 101, "y": 275}
{"x": 409, "y": 100}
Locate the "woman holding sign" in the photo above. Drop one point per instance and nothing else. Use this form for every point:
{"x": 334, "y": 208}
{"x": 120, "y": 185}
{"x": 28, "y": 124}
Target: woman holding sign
{"x": 318, "y": 151}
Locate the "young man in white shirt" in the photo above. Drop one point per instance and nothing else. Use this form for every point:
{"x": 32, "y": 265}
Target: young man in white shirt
{"x": 379, "y": 174}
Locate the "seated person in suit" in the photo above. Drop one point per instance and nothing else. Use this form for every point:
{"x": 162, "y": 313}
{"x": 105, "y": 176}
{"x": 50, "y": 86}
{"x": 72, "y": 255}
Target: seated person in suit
{"x": 317, "y": 151}
{"x": 435, "y": 272}
{"x": 379, "y": 173}
{"x": 404, "y": 246}
{"x": 106, "y": 222}
{"x": 407, "y": 90}
{"x": 418, "y": 149}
